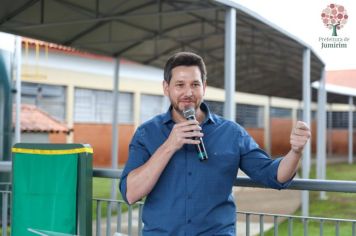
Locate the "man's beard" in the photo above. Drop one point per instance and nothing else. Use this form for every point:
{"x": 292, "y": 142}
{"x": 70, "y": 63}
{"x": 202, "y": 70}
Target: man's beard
{"x": 175, "y": 106}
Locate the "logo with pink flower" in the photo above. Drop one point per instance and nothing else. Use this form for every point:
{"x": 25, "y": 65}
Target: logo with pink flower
{"x": 334, "y": 17}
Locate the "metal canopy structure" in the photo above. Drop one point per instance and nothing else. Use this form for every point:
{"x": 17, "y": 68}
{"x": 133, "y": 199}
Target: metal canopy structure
{"x": 269, "y": 61}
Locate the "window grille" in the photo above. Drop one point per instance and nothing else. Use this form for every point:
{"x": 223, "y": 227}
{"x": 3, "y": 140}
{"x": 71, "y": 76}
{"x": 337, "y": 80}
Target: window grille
{"x": 96, "y": 106}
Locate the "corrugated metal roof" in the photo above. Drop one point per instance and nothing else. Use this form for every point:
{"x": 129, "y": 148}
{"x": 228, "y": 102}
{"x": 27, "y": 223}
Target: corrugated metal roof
{"x": 268, "y": 59}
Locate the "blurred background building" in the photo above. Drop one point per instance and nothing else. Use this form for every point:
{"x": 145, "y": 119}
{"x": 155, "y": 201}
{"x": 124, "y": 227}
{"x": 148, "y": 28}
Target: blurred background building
{"x": 73, "y": 90}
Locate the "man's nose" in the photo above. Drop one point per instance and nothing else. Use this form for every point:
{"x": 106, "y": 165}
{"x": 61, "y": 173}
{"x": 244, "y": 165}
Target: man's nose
{"x": 188, "y": 92}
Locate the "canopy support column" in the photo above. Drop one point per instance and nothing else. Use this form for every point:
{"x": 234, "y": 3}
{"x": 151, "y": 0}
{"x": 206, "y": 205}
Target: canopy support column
{"x": 306, "y": 118}
{"x": 321, "y": 132}
{"x": 115, "y": 138}
{"x": 230, "y": 63}
{"x": 350, "y": 159}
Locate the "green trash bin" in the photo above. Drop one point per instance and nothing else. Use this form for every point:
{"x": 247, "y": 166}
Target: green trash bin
{"x": 52, "y": 189}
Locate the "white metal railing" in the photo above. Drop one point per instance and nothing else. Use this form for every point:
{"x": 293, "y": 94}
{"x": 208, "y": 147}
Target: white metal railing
{"x": 292, "y": 218}
{"x": 130, "y": 221}
{"x": 5, "y": 192}
{"x": 127, "y": 223}
{"x": 297, "y": 184}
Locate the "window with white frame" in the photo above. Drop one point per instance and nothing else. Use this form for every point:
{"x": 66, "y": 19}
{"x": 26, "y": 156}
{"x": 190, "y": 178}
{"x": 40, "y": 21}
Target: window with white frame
{"x": 280, "y": 112}
{"x": 96, "y": 106}
{"x": 152, "y": 105}
{"x": 49, "y": 98}
{"x": 250, "y": 116}
{"x": 300, "y": 114}
{"x": 215, "y": 107}
{"x": 340, "y": 119}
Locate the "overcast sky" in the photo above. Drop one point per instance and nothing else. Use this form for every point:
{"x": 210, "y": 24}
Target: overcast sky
{"x": 302, "y": 18}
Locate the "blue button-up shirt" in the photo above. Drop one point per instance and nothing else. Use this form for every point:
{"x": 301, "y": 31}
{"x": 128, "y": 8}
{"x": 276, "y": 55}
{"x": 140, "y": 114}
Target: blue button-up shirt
{"x": 193, "y": 197}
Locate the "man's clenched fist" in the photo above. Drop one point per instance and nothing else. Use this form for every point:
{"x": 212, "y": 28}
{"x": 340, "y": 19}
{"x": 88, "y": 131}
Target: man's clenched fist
{"x": 299, "y": 136}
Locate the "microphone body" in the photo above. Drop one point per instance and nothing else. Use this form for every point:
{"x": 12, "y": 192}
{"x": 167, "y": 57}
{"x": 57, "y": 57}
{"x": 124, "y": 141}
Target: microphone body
{"x": 189, "y": 114}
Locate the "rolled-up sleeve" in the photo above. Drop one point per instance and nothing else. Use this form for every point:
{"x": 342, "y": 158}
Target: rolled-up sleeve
{"x": 257, "y": 164}
{"x": 138, "y": 155}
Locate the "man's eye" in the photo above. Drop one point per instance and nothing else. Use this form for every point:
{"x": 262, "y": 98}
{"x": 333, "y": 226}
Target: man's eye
{"x": 196, "y": 85}
{"x": 179, "y": 85}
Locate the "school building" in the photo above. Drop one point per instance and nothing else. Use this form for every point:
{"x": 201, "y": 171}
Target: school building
{"x": 76, "y": 88}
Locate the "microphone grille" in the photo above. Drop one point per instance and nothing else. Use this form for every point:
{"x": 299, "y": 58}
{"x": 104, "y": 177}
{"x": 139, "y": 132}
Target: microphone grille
{"x": 190, "y": 112}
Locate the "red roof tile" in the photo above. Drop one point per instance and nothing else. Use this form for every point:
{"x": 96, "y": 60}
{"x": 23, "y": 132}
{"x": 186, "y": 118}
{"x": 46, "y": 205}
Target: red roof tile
{"x": 34, "y": 119}
{"x": 70, "y": 51}
{"x": 346, "y": 78}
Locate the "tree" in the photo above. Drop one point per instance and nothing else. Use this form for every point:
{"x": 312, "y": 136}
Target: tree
{"x": 334, "y": 17}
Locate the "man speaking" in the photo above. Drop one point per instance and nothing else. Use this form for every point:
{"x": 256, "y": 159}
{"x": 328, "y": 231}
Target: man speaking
{"x": 188, "y": 194}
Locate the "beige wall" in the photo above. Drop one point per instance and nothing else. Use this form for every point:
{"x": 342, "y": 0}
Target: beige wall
{"x": 99, "y": 135}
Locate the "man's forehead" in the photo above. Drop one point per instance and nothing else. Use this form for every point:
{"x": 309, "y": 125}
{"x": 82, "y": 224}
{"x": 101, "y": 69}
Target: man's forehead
{"x": 186, "y": 71}
{"x": 186, "y": 68}
{"x": 186, "y": 80}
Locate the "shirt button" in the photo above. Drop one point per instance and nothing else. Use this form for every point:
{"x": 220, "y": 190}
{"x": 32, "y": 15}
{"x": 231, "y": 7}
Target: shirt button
{"x": 189, "y": 221}
{"x": 189, "y": 173}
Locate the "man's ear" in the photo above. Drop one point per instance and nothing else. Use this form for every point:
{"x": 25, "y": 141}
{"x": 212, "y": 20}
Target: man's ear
{"x": 204, "y": 87}
{"x": 165, "y": 87}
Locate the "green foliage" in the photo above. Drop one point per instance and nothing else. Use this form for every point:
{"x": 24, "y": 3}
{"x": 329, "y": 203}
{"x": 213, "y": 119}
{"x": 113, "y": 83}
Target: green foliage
{"x": 102, "y": 190}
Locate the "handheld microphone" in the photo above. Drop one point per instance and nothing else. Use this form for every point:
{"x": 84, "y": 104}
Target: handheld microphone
{"x": 189, "y": 114}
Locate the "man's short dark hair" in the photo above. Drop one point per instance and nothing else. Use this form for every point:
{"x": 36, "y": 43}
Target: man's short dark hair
{"x": 184, "y": 59}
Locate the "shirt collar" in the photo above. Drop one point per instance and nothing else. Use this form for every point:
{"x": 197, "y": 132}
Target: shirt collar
{"x": 167, "y": 117}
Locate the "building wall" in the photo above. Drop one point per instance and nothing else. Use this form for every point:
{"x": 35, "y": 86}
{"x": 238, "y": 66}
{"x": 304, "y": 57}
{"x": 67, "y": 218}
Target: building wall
{"x": 257, "y": 134}
{"x": 34, "y": 138}
{"x": 40, "y": 137}
{"x": 57, "y": 137}
{"x": 280, "y": 133}
{"x": 99, "y": 137}
{"x": 78, "y": 71}
{"x": 88, "y": 133}
{"x": 339, "y": 142}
